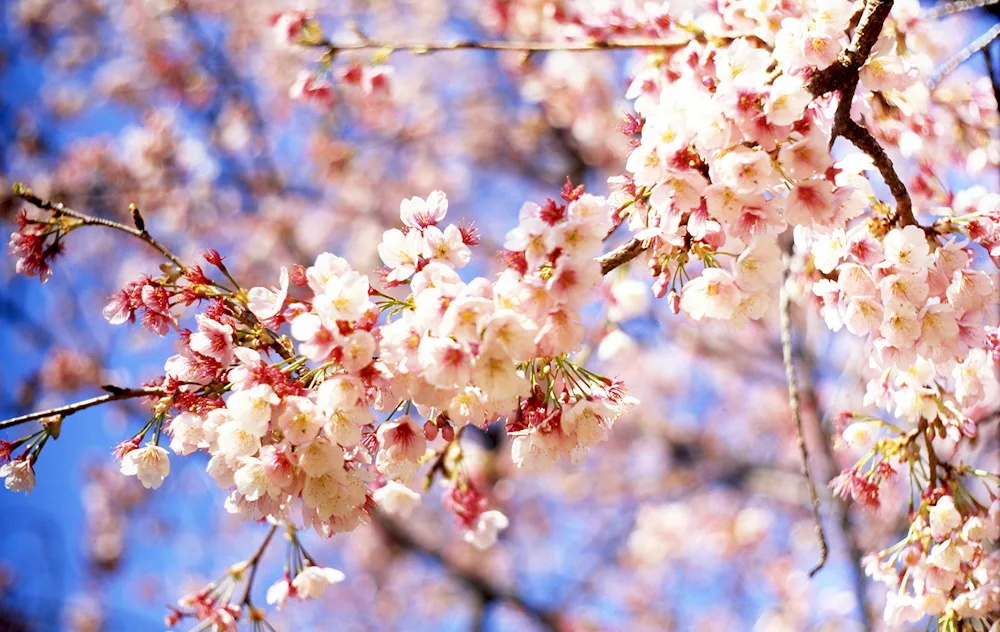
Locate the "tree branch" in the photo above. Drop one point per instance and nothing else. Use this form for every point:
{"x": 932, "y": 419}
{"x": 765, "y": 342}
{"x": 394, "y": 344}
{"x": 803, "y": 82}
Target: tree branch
{"x": 838, "y": 74}
{"x": 254, "y": 563}
{"x": 240, "y": 311}
{"x": 951, "y": 8}
{"x": 484, "y": 590}
{"x": 863, "y": 140}
{"x": 843, "y": 75}
{"x": 808, "y": 362}
{"x": 793, "y": 402}
{"x": 620, "y": 255}
{"x": 420, "y": 48}
{"x": 965, "y": 54}
{"x": 69, "y": 409}
{"x": 58, "y": 208}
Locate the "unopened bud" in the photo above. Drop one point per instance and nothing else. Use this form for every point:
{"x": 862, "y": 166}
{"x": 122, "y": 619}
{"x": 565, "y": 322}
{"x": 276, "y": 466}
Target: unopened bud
{"x": 430, "y": 431}
{"x": 660, "y": 287}
{"x": 674, "y": 300}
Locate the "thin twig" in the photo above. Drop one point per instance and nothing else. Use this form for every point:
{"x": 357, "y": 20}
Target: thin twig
{"x": 793, "y": 402}
{"x": 520, "y": 46}
{"x": 964, "y": 55}
{"x": 951, "y": 8}
{"x": 808, "y": 362}
{"x": 254, "y": 563}
{"x": 240, "y": 311}
{"x": 59, "y": 208}
{"x": 69, "y": 409}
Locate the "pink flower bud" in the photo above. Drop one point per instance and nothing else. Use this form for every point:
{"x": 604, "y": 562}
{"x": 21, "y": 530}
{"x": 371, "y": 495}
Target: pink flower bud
{"x": 660, "y": 287}
{"x": 448, "y": 433}
{"x": 430, "y": 431}
{"x": 675, "y": 302}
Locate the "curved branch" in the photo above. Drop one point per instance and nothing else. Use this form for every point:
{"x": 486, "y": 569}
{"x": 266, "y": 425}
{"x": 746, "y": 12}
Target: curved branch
{"x": 58, "y": 208}
{"x": 951, "y": 8}
{"x": 965, "y": 54}
{"x": 242, "y": 312}
{"x": 862, "y": 139}
{"x": 486, "y": 591}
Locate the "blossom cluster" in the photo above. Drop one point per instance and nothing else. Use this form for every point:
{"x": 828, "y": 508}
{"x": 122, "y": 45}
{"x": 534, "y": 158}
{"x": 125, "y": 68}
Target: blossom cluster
{"x": 747, "y": 153}
{"x": 332, "y": 430}
{"x": 944, "y": 566}
{"x": 298, "y": 27}
{"x": 479, "y": 351}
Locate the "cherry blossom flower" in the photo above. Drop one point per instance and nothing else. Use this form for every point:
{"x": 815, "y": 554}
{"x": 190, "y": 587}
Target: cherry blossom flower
{"x": 313, "y": 580}
{"x": 149, "y": 464}
{"x": 487, "y": 529}
{"x": 264, "y": 303}
{"x": 396, "y": 499}
{"x": 311, "y": 89}
{"x": 18, "y": 475}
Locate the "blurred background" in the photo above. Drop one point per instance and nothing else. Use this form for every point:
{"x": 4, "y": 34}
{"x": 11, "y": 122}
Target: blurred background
{"x": 692, "y": 517}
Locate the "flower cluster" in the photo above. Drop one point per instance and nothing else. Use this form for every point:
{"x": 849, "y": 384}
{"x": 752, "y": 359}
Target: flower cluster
{"x": 944, "y": 566}
{"x": 720, "y": 173}
{"x": 921, "y": 312}
{"x": 36, "y": 243}
{"x": 747, "y": 154}
{"x": 477, "y": 351}
{"x": 320, "y": 437}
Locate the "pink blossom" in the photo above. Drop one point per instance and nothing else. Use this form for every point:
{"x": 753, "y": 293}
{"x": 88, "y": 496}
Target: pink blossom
{"x": 311, "y": 89}
{"x": 713, "y": 294}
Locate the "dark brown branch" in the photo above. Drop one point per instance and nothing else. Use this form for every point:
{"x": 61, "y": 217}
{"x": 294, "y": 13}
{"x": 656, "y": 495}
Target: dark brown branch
{"x": 485, "y": 591}
{"x": 69, "y": 409}
{"x": 793, "y": 403}
{"x": 843, "y": 75}
{"x": 863, "y": 140}
{"x": 254, "y": 564}
{"x": 842, "y": 118}
{"x": 837, "y": 75}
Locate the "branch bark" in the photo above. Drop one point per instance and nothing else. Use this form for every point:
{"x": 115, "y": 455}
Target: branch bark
{"x": 838, "y": 74}
{"x": 484, "y": 590}
{"x": 69, "y": 409}
{"x": 861, "y": 138}
{"x": 420, "y": 48}
{"x": 793, "y": 403}
{"x": 58, "y": 208}
{"x": 620, "y": 255}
